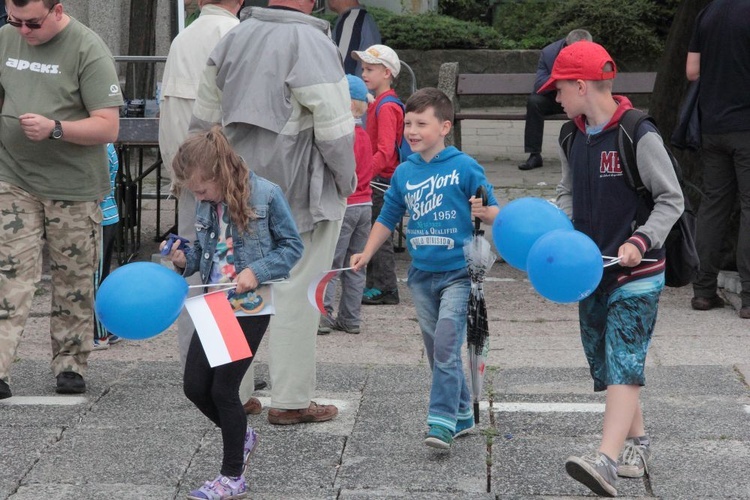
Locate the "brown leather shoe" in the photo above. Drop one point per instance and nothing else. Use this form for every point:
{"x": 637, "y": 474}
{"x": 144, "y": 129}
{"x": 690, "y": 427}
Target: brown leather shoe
{"x": 706, "y": 303}
{"x": 313, "y": 413}
{"x": 745, "y": 312}
{"x": 253, "y": 406}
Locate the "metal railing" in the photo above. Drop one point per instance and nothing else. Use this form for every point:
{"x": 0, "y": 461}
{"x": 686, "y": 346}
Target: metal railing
{"x": 137, "y": 144}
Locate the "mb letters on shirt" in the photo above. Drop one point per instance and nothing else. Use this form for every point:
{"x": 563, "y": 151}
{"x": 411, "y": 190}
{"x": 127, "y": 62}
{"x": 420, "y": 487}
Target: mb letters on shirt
{"x": 21, "y": 65}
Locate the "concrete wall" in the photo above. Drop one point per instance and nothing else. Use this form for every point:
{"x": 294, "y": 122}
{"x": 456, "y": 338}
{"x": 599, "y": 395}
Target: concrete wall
{"x": 426, "y": 66}
{"x": 110, "y": 19}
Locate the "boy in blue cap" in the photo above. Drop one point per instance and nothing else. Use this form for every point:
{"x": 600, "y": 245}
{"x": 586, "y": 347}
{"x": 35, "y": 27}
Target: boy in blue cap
{"x": 355, "y": 227}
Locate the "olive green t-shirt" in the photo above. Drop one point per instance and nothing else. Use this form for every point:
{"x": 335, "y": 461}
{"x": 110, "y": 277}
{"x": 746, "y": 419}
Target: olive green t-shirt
{"x": 63, "y": 79}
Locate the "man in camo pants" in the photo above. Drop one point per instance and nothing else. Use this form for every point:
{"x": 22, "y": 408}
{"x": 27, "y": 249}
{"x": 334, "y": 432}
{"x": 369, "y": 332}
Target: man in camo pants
{"x": 60, "y": 98}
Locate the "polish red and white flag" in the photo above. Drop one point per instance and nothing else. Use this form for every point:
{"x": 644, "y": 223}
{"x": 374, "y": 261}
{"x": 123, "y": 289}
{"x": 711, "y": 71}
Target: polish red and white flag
{"x": 218, "y": 329}
{"x": 316, "y": 290}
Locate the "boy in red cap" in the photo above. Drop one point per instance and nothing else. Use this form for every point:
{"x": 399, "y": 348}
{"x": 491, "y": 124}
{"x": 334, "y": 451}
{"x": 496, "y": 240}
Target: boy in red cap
{"x": 617, "y": 320}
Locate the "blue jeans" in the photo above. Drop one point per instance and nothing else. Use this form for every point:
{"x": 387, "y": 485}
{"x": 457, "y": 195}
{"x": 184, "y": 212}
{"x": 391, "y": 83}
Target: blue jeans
{"x": 441, "y": 301}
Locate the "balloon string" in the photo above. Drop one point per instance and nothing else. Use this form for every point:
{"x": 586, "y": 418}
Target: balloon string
{"x": 229, "y": 286}
{"x": 616, "y": 260}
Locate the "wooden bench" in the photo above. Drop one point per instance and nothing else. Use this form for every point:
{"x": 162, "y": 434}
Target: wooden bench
{"x": 456, "y": 84}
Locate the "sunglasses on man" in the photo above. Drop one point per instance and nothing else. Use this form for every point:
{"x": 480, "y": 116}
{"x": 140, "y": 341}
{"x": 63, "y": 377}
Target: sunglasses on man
{"x": 29, "y": 24}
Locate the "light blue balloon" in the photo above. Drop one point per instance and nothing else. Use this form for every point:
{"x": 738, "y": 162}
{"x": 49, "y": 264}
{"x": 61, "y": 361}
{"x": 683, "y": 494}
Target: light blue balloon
{"x": 565, "y": 266}
{"x": 140, "y": 300}
{"x": 520, "y": 223}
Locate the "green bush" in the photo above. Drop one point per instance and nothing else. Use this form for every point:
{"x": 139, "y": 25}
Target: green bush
{"x": 626, "y": 29}
{"x": 632, "y": 30}
{"x": 519, "y": 24}
{"x": 467, "y": 10}
{"x": 433, "y": 31}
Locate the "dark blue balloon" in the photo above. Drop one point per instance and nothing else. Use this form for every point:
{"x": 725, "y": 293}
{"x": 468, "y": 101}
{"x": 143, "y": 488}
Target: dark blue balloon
{"x": 140, "y": 300}
{"x": 520, "y": 223}
{"x": 565, "y": 266}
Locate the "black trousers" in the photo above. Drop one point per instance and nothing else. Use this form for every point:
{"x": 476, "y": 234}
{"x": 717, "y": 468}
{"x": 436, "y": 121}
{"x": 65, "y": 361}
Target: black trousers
{"x": 215, "y": 391}
{"x": 109, "y": 232}
{"x": 537, "y": 107}
{"x": 726, "y": 175}
{"x": 381, "y": 271}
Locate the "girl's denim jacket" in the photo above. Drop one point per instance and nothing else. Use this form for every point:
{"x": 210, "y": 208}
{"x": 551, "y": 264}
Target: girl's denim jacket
{"x": 270, "y": 248}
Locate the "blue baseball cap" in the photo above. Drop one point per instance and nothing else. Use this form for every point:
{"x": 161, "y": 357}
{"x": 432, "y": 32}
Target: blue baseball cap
{"x": 357, "y": 88}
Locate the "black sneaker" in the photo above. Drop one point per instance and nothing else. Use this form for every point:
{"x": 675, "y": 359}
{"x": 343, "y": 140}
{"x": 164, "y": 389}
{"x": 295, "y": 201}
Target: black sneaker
{"x": 4, "y": 390}
{"x": 381, "y": 298}
{"x": 70, "y": 383}
{"x": 706, "y": 303}
{"x": 534, "y": 161}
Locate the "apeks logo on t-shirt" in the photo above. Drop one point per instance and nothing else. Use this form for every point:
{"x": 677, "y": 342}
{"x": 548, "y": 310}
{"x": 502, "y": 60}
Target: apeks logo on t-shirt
{"x": 22, "y": 65}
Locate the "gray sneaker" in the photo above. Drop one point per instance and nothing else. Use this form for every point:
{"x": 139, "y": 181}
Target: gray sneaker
{"x": 346, "y": 328}
{"x": 633, "y": 461}
{"x": 593, "y": 472}
{"x": 326, "y": 324}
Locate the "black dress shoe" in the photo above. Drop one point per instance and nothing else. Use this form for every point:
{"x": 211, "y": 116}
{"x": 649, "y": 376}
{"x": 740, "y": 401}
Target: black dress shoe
{"x": 706, "y": 303}
{"x": 70, "y": 383}
{"x": 4, "y": 390}
{"x": 534, "y": 161}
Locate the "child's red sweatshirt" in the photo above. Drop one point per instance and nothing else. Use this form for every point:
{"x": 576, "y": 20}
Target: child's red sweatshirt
{"x": 385, "y": 131}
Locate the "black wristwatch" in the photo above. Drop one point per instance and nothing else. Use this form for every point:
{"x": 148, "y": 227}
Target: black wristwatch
{"x": 57, "y": 132}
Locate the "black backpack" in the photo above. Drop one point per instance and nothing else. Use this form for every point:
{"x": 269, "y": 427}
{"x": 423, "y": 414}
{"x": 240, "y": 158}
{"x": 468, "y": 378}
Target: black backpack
{"x": 681, "y": 256}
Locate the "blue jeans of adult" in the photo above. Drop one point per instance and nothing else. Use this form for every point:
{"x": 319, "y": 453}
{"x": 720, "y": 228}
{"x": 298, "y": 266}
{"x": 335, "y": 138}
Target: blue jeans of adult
{"x": 352, "y": 238}
{"x": 441, "y": 300}
{"x": 726, "y": 177}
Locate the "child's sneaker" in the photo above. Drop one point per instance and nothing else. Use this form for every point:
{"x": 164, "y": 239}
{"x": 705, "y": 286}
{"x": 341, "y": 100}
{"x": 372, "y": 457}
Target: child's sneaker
{"x": 346, "y": 328}
{"x": 369, "y": 293}
{"x": 113, "y": 339}
{"x": 596, "y": 473}
{"x": 221, "y": 488}
{"x": 251, "y": 442}
{"x": 439, "y": 437}
{"x": 378, "y": 297}
{"x": 327, "y": 323}
{"x": 463, "y": 426}
{"x": 101, "y": 344}
{"x": 634, "y": 459}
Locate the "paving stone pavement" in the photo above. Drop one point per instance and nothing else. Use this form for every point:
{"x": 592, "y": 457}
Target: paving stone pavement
{"x": 135, "y": 436}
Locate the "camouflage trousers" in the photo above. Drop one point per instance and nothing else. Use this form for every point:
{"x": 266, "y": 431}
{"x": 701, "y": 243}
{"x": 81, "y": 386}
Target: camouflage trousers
{"x": 71, "y": 231}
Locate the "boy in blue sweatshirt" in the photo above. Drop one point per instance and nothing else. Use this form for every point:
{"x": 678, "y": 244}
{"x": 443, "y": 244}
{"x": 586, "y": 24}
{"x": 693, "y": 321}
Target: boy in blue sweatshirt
{"x": 617, "y": 320}
{"x": 436, "y": 185}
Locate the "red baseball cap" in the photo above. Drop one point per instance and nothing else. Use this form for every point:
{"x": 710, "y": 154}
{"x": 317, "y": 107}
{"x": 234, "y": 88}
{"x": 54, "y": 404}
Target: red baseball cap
{"x": 580, "y": 61}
